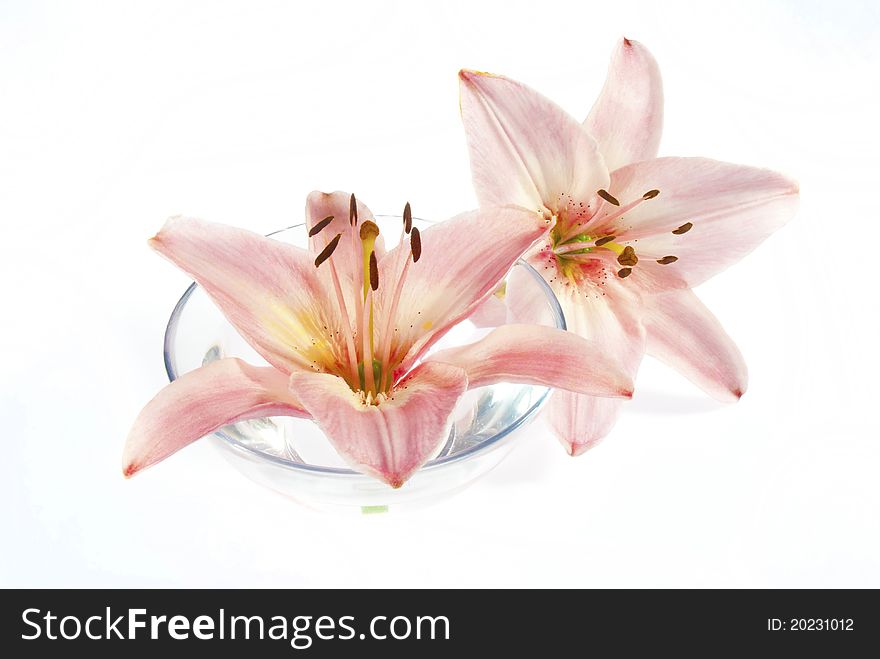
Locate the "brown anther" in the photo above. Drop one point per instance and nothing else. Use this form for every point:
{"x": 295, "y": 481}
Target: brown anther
{"x": 315, "y": 230}
{"x": 328, "y": 250}
{"x": 415, "y": 244}
{"x": 607, "y": 197}
{"x": 374, "y": 271}
{"x": 352, "y": 211}
{"x": 604, "y": 241}
{"x": 684, "y": 228}
{"x": 369, "y": 229}
{"x": 666, "y": 260}
{"x": 407, "y": 218}
{"x": 623, "y": 273}
{"x": 628, "y": 256}
{"x": 650, "y": 194}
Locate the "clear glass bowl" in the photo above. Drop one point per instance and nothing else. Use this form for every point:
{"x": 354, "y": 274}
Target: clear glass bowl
{"x": 294, "y": 458}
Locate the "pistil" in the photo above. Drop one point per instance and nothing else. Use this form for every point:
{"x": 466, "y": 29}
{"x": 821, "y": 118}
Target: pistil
{"x": 368, "y": 233}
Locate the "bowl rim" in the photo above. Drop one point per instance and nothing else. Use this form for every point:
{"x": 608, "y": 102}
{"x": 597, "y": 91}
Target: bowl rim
{"x": 344, "y": 472}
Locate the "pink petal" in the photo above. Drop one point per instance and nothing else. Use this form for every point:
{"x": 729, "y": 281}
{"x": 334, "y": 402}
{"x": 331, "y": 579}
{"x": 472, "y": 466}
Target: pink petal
{"x": 544, "y": 356}
{"x": 527, "y": 300}
{"x": 627, "y": 119}
{"x": 524, "y": 149}
{"x": 683, "y": 333}
{"x": 606, "y": 311}
{"x": 492, "y": 312}
{"x": 610, "y": 316}
{"x": 462, "y": 262}
{"x": 201, "y": 401}
{"x": 270, "y": 291}
{"x": 393, "y": 439}
{"x": 579, "y": 421}
{"x": 320, "y": 205}
{"x": 613, "y": 321}
{"x": 732, "y": 208}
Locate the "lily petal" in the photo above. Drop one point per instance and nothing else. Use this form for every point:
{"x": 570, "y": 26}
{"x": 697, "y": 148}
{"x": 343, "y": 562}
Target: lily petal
{"x": 395, "y": 438}
{"x": 462, "y": 262}
{"x": 732, "y": 209}
{"x": 270, "y": 291}
{"x": 526, "y": 300}
{"x": 611, "y": 321}
{"x": 683, "y": 333}
{"x": 492, "y": 312}
{"x": 321, "y": 205}
{"x": 627, "y": 119}
{"x": 580, "y": 422}
{"x": 544, "y": 356}
{"x": 525, "y": 149}
{"x": 201, "y": 401}
{"x": 614, "y": 322}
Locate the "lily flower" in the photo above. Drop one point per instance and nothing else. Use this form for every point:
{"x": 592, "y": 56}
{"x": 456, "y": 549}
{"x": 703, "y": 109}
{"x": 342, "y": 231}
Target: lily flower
{"x": 630, "y": 234}
{"x": 344, "y": 326}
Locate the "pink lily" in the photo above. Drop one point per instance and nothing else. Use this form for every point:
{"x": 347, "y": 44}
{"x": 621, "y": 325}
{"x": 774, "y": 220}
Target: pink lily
{"x": 344, "y": 326}
{"x": 631, "y": 233}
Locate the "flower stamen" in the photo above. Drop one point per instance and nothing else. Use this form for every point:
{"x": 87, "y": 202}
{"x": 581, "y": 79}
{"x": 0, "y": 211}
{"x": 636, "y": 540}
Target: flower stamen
{"x": 628, "y": 256}
{"x": 407, "y": 218}
{"x": 367, "y": 345}
{"x": 415, "y": 252}
{"x": 374, "y": 271}
{"x": 315, "y": 230}
{"x": 352, "y": 211}
{"x": 617, "y": 212}
{"x": 684, "y": 228}
{"x": 415, "y": 244}
{"x": 328, "y": 250}
{"x": 325, "y": 254}
{"x": 608, "y": 197}
{"x": 650, "y": 194}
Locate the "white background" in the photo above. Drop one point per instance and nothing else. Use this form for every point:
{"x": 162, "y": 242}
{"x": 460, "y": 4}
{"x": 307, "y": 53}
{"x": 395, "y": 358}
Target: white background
{"x": 115, "y": 115}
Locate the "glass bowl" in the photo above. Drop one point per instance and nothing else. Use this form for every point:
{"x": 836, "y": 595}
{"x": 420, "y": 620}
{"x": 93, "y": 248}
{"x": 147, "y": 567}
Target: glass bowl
{"x": 293, "y": 457}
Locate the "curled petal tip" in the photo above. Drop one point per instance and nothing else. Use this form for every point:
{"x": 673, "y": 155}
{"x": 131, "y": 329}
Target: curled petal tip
{"x": 738, "y": 393}
{"x": 574, "y": 449}
{"x": 161, "y": 235}
{"x": 627, "y": 42}
{"x": 469, "y": 75}
{"x": 130, "y": 469}
{"x": 627, "y": 393}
